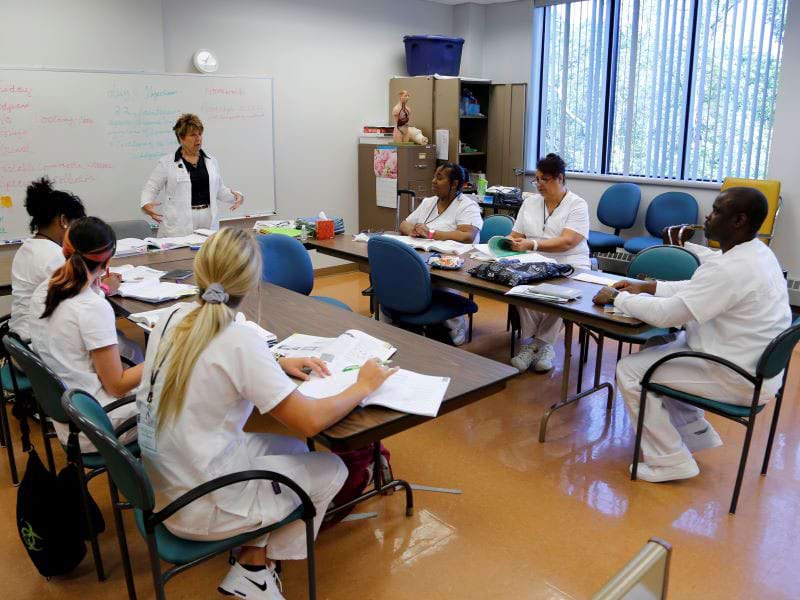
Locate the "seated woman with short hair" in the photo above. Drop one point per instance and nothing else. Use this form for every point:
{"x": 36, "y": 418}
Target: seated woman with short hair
{"x": 449, "y": 215}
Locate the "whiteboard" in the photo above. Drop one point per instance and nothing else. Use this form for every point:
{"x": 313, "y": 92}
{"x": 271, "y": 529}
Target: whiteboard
{"x": 99, "y": 134}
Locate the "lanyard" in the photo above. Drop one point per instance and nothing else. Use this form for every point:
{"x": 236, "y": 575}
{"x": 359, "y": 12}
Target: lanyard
{"x": 545, "y": 216}
{"x": 435, "y": 206}
{"x": 157, "y": 370}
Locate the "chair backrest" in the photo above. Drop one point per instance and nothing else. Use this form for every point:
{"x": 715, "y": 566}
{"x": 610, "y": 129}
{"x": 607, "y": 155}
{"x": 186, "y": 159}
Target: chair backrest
{"x": 664, "y": 263}
{"x": 400, "y": 279}
{"x": 644, "y": 577}
{"x": 779, "y": 351}
{"x": 771, "y": 188}
{"x": 619, "y": 205}
{"x": 670, "y": 208}
{"x": 496, "y": 225}
{"x": 286, "y": 263}
{"x": 47, "y": 387}
{"x": 127, "y": 472}
{"x": 134, "y": 228}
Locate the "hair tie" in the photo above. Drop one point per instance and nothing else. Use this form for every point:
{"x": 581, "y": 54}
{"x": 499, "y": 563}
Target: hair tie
{"x": 99, "y": 255}
{"x": 215, "y": 294}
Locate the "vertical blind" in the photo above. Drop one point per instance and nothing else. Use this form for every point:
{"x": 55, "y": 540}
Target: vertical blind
{"x": 683, "y": 89}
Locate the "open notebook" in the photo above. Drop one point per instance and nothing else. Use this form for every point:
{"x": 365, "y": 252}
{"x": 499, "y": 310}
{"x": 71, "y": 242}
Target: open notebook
{"x": 153, "y": 290}
{"x": 442, "y": 246}
{"x": 140, "y": 273}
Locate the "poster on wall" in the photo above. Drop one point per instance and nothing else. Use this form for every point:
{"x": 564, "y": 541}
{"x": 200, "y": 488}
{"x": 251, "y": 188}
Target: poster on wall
{"x": 384, "y": 164}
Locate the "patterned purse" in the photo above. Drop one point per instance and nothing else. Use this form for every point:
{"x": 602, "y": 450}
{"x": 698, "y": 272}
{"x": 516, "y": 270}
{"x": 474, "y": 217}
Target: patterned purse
{"x": 512, "y": 272}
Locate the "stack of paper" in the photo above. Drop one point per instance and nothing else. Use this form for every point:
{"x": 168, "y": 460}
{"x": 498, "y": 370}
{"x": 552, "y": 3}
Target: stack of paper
{"x": 269, "y": 337}
{"x": 273, "y": 223}
{"x": 545, "y": 291}
{"x": 140, "y": 273}
{"x": 167, "y": 243}
{"x": 130, "y": 247}
{"x": 149, "y": 319}
{"x": 153, "y": 290}
{"x": 485, "y": 254}
{"x": 204, "y": 232}
{"x": 442, "y": 246}
{"x": 599, "y": 279}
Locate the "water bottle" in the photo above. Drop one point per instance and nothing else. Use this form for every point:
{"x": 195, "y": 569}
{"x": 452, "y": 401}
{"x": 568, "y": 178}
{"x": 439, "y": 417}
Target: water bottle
{"x": 303, "y": 233}
{"x": 482, "y": 184}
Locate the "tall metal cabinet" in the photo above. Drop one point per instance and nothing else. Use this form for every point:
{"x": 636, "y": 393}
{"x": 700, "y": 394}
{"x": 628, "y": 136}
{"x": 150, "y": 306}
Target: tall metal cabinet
{"x": 497, "y": 136}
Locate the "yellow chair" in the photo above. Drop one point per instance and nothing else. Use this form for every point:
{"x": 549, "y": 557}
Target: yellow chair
{"x": 771, "y": 188}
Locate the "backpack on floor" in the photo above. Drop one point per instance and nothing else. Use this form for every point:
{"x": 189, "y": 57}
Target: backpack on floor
{"x": 360, "y": 467}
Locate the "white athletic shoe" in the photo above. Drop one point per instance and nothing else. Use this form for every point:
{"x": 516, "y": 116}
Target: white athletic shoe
{"x": 685, "y": 470}
{"x": 547, "y": 356}
{"x": 523, "y": 360}
{"x": 254, "y": 585}
{"x": 458, "y": 333}
{"x": 699, "y": 435}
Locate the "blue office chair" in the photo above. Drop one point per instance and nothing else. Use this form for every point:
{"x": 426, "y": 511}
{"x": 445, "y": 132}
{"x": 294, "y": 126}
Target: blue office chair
{"x": 127, "y": 474}
{"x": 665, "y": 210}
{"x": 496, "y": 225}
{"x": 402, "y": 287}
{"x": 288, "y": 265}
{"x": 617, "y": 209}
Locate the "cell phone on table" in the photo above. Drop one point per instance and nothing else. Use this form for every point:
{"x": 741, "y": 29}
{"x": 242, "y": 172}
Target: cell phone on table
{"x": 178, "y": 274}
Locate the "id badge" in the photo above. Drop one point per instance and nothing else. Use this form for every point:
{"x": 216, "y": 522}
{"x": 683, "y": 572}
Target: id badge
{"x": 147, "y": 432}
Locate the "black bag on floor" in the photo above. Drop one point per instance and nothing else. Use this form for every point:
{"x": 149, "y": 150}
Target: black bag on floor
{"x": 70, "y": 489}
{"x": 46, "y": 523}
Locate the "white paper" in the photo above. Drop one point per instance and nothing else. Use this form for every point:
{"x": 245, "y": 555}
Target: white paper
{"x": 442, "y": 143}
{"x": 598, "y": 279}
{"x": 153, "y": 290}
{"x": 386, "y": 192}
{"x": 130, "y": 246}
{"x": 204, "y": 232}
{"x": 531, "y": 257}
{"x": 442, "y": 246}
{"x": 167, "y": 243}
{"x": 149, "y": 319}
{"x": 140, "y": 273}
{"x": 299, "y": 345}
{"x": 546, "y": 291}
{"x": 273, "y": 223}
{"x": 265, "y": 335}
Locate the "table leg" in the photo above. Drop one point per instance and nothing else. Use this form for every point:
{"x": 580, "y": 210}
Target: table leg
{"x": 566, "y": 399}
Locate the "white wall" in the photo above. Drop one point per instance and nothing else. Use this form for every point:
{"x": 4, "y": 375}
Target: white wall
{"x": 90, "y": 34}
{"x": 508, "y": 57}
{"x": 468, "y": 23}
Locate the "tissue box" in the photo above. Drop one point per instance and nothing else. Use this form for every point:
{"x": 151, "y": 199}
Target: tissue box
{"x": 325, "y": 229}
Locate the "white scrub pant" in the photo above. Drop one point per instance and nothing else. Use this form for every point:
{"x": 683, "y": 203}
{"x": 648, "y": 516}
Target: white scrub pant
{"x": 201, "y": 219}
{"x": 320, "y": 474}
{"x": 542, "y": 326}
{"x": 662, "y": 444}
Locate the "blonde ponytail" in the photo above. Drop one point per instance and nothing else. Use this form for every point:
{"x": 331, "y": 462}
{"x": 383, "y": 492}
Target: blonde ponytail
{"x": 230, "y": 258}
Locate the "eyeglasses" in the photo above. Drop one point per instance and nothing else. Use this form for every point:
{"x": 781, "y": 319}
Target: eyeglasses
{"x": 537, "y": 179}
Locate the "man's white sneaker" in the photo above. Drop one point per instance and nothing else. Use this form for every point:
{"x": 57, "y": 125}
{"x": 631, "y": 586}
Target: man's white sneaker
{"x": 526, "y": 356}
{"x": 699, "y": 435}
{"x": 544, "y": 362}
{"x": 458, "y": 329}
{"x": 254, "y": 585}
{"x": 685, "y": 470}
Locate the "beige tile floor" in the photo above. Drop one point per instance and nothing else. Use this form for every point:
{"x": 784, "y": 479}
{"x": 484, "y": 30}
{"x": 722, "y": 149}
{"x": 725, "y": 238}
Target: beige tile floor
{"x": 535, "y": 521}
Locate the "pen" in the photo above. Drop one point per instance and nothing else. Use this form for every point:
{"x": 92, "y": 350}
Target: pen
{"x": 12, "y": 241}
{"x": 383, "y": 363}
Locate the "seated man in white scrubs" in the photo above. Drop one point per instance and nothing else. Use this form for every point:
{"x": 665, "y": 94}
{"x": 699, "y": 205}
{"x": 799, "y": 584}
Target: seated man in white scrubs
{"x": 733, "y": 306}
{"x": 447, "y": 216}
{"x": 554, "y": 223}
{"x": 203, "y": 375}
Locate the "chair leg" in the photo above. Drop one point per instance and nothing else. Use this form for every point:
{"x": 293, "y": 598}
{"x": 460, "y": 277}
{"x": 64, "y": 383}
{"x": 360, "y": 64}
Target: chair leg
{"x": 48, "y": 449}
{"x": 310, "y": 560}
{"x": 619, "y": 352}
{"x": 637, "y": 446}
{"x": 772, "y": 428}
{"x": 123, "y": 542}
{"x": 742, "y": 462}
{"x": 155, "y": 567}
{"x": 98, "y": 559}
{"x": 12, "y": 462}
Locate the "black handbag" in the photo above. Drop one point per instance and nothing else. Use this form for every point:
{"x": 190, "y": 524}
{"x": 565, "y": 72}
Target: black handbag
{"x": 512, "y": 272}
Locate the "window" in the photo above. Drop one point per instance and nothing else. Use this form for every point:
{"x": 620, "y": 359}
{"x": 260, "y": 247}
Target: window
{"x": 683, "y": 89}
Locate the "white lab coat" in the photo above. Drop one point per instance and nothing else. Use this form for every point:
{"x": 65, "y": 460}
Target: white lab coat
{"x": 172, "y": 178}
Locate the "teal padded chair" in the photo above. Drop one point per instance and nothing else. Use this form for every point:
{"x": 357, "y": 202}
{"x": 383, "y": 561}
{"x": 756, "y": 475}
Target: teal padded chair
{"x": 128, "y": 476}
{"x": 775, "y": 358}
{"x": 665, "y": 210}
{"x": 496, "y": 225}
{"x": 286, "y": 263}
{"x": 402, "y": 287}
{"x": 48, "y": 388}
{"x": 617, "y": 209}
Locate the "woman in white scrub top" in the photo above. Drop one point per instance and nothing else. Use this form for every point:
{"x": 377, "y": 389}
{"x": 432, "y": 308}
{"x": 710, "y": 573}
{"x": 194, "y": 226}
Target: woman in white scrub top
{"x": 554, "y": 223}
{"x": 447, "y": 216}
{"x": 203, "y": 375}
{"x": 192, "y": 184}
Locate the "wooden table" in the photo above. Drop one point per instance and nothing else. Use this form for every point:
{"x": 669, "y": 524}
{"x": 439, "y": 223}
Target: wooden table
{"x": 284, "y": 312}
{"x": 582, "y": 312}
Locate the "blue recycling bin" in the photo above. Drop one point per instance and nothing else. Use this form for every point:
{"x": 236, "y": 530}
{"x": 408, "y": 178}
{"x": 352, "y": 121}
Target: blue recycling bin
{"x": 429, "y": 54}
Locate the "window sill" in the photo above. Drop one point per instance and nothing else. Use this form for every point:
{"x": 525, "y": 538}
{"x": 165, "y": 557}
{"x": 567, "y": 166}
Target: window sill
{"x": 673, "y": 183}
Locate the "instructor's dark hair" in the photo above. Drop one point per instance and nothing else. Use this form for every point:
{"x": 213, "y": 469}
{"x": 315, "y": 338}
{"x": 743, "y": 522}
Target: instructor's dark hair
{"x": 44, "y": 204}
{"x": 88, "y": 244}
{"x": 457, "y": 174}
{"x": 552, "y": 165}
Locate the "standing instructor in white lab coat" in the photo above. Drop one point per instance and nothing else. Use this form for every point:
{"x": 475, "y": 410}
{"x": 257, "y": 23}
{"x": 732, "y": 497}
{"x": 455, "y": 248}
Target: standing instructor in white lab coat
{"x": 192, "y": 184}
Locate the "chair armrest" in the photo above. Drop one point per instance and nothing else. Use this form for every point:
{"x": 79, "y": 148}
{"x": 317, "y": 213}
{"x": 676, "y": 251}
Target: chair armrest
{"x": 117, "y": 403}
{"x": 126, "y": 426}
{"x": 224, "y": 481}
{"x": 703, "y": 356}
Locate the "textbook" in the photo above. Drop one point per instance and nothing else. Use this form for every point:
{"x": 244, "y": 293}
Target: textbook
{"x": 441, "y": 246}
{"x": 545, "y": 291}
{"x": 140, "y": 273}
{"x": 155, "y": 291}
{"x": 148, "y": 320}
